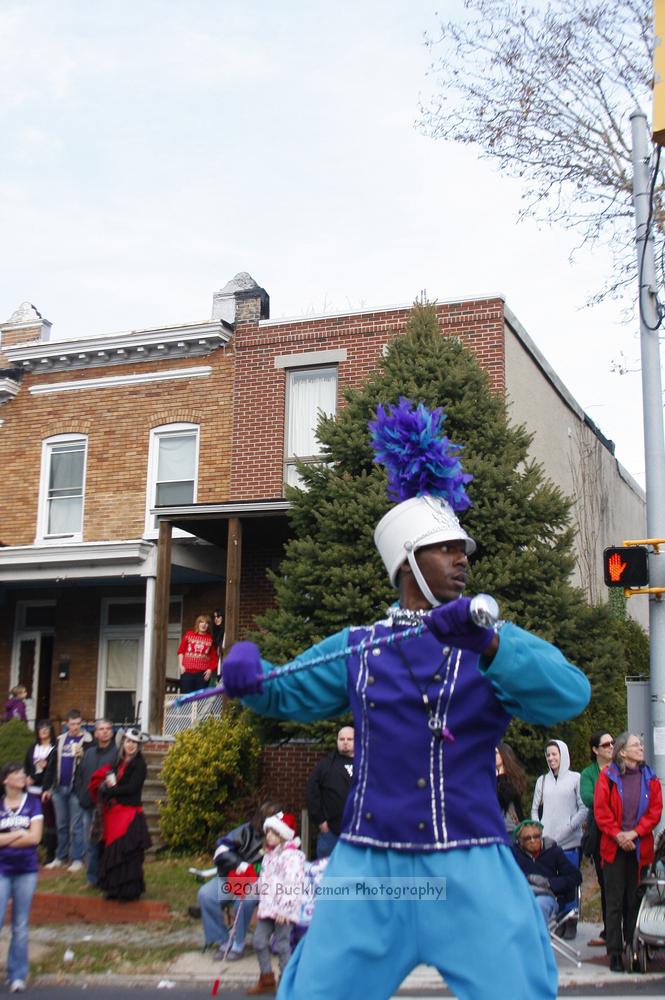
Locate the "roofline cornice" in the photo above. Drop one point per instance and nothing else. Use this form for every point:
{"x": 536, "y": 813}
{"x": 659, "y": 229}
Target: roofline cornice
{"x": 8, "y": 389}
{"x": 184, "y": 340}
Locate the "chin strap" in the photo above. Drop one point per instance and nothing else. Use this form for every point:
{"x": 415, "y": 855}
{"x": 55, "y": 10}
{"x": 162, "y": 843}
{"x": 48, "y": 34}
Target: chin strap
{"x": 420, "y": 579}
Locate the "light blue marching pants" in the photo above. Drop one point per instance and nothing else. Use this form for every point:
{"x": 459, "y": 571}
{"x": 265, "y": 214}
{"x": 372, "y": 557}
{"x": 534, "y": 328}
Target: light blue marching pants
{"x": 487, "y": 938}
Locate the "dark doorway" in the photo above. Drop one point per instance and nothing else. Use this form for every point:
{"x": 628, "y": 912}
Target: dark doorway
{"x": 43, "y": 702}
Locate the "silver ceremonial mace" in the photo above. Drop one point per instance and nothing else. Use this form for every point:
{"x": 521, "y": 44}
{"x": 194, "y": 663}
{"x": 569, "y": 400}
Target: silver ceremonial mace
{"x": 484, "y": 611}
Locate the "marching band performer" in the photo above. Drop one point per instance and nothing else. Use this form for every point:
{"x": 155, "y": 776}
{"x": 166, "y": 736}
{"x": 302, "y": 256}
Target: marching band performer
{"x": 429, "y": 709}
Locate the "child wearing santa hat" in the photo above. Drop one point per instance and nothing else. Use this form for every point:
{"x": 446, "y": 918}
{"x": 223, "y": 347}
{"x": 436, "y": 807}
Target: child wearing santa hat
{"x": 280, "y": 890}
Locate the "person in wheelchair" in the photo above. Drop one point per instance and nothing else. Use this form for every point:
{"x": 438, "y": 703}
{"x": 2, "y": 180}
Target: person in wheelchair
{"x": 234, "y": 853}
{"x": 553, "y": 878}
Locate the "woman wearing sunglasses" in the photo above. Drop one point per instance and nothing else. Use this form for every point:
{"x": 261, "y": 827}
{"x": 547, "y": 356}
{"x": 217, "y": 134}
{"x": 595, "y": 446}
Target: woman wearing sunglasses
{"x": 601, "y": 746}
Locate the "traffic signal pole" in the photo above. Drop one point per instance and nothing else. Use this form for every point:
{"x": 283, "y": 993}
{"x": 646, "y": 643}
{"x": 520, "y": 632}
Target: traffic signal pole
{"x": 654, "y": 438}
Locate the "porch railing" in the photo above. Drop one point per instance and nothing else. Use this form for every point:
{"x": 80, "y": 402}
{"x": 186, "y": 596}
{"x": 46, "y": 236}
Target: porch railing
{"x": 186, "y": 716}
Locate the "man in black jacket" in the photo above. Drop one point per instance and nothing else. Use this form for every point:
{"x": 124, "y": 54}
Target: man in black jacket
{"x": 550, "y": 874}
{"x": 327, "y": 788}
{"x": 102, "y": 751}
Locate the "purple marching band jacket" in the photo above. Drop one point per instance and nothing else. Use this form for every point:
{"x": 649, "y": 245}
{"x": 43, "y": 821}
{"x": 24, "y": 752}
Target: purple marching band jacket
{"x": 424, "y": 774}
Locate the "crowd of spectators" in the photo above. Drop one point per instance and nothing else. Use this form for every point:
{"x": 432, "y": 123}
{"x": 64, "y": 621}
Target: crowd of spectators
{"x": 607, "y": 813}
{"x": 79, "y": 793}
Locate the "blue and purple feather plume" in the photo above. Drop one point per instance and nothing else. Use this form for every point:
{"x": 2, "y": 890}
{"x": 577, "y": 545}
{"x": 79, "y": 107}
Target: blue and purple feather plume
{"x": 408, "y": 441}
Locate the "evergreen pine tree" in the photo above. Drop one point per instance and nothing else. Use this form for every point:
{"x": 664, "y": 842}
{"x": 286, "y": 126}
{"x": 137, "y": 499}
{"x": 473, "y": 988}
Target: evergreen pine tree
{"x": 332, "y": 576}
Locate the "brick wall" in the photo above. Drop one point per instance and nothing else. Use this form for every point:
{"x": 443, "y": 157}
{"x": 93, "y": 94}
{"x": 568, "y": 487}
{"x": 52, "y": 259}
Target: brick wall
{"x": 260, "y": 388}
{"x": 23, "y": 335}
{"x": 285, "y": 768}
{"x": 118, "y": 423}
{"x": 256, "y": 592}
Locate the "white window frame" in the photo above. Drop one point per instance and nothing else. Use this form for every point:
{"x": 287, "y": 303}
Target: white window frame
{"x": 135, "y": 631}
{"x": 156, "y": 435}
{"x": 290, "y": 460}
{"x": 48, "y": 445}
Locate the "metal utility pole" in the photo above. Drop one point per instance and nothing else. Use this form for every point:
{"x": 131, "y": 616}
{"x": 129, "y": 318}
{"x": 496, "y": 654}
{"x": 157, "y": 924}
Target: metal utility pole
{"x": 654, "y": 438}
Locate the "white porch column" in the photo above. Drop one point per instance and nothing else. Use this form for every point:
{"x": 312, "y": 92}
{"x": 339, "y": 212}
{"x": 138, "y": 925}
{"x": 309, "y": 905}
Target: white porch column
{"x": 147, "y": 646}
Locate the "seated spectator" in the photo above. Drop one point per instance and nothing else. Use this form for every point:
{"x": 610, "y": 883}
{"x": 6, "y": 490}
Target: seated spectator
{"x": 243, "y": 845}
{"x": 327, "y": 788}
{"x": 552, "y": 877}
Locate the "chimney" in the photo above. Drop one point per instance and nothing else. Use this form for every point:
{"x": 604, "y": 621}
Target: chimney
{"x": 241, "y": 300}
{"x": 25, "y": 326}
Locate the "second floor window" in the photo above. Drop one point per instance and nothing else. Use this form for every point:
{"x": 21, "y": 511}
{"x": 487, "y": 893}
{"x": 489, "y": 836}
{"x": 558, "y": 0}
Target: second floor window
{"x": 310, "y": 392}
{"x": 173, "y": 467}
{"x": 63, "y": 478}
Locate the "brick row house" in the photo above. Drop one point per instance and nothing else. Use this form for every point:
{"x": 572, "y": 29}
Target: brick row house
{"x": 143, "y": 478}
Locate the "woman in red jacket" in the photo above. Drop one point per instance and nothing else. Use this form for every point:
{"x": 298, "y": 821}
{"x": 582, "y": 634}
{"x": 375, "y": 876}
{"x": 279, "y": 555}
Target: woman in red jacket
{"x": 627, "y": 804}
{"x": 197, "y": 656}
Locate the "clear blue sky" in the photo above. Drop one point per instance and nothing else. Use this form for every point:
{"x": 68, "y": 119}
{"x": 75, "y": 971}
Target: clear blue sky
{"x": 151, "y": 149}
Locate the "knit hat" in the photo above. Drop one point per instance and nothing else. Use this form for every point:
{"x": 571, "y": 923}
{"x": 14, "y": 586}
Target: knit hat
{"x": 425, "y": 474}
{"x": 526, "y": 822}
{"x": 282, "y": 823}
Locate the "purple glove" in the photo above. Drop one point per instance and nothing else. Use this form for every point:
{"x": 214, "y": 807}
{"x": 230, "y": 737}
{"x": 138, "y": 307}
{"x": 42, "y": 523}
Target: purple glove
{"x": 241, "y": 670}
{"x": 452, "y": 625}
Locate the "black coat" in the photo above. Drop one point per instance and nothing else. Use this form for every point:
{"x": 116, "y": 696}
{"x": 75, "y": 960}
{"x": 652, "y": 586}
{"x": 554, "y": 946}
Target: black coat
{"x": 508, "y": 795}
{"x": 327, "y": 788}
{"x": 562, "y": 875}
{"x": 34, "y": 777}
{"x": 242, "y": 844}
{"x": 129, "y": 788}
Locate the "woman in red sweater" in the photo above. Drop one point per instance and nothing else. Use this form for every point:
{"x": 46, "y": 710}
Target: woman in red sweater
{"x": 627, "y": 804}
{"x": 197, "y": 656}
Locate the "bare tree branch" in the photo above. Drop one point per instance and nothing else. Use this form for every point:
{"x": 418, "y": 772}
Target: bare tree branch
{"x": 547, "y": 94}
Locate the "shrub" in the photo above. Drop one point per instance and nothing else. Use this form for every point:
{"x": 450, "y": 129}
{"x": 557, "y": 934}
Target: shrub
{"x": 210, "y": 775}
{"x": 15, "y": 741}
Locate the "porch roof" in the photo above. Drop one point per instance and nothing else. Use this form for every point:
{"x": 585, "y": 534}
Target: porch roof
{"x": 209, "y": 521}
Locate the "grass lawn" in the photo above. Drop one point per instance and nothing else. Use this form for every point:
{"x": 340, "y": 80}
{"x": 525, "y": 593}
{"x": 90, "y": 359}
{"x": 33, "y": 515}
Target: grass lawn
{"x": 91, "y": 957}
{"x": 142, "y": 948}
{"x": 166, "y": 879}
{"x": 590, "y": 908}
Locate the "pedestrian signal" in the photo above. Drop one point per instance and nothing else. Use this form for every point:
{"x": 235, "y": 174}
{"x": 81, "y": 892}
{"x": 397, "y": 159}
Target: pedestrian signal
{"x": 626, "y": 566}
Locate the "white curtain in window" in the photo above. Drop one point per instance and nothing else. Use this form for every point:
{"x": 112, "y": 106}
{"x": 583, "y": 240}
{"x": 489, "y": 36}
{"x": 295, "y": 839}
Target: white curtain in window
{"x": 64, "y": 516}
{"x": 122, "y": 664}
{"x": 309, "y": 392}
{"x": 66, "y": 470}
{"x": 176, "y": 464}
{"x": 65, "y": 492}
{"x": 177, "y": 457}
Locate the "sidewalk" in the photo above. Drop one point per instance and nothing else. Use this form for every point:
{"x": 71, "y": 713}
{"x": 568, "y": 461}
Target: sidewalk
{"x": 191, "y": 966}
{"x": 594, "y": 971}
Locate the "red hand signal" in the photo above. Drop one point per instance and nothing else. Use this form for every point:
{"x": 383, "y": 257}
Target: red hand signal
{"x": 616, "y": 567}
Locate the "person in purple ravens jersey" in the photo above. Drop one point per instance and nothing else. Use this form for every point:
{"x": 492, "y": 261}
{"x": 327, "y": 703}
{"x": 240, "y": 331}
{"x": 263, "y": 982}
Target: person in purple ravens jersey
{"x": 21, "y": 825}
